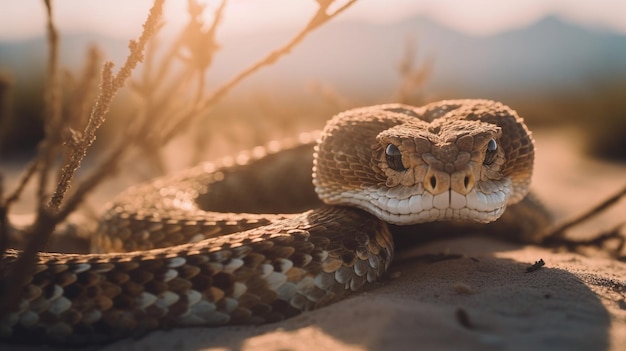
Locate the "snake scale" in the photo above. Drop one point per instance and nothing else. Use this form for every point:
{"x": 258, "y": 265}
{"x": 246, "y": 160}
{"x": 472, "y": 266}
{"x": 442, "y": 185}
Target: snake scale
{"x": 199, "y": 248}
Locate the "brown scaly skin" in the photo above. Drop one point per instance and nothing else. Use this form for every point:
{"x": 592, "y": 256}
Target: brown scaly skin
{"x": 257, "y": 276}
{"x": 443, "y": 152}
{"x": 263, "y": 268}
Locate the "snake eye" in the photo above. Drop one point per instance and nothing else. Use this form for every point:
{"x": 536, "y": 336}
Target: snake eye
{"x": 490, "y": 154}
{"x": 394, "y": 158}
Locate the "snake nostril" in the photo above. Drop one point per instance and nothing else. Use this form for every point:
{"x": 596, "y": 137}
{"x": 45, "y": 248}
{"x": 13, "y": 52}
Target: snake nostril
{"x": 466, "y": 182}
{"x": 433, "y": 182}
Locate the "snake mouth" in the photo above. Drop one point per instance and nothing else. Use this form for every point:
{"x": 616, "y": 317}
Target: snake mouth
{"x": 415, "y": 205}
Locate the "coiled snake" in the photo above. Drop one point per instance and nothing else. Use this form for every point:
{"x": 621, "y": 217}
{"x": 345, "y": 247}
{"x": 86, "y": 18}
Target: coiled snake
{"x": 461, "y": 160}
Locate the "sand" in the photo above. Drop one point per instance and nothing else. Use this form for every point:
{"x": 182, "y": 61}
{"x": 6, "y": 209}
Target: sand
{"x": 482, "y": 300}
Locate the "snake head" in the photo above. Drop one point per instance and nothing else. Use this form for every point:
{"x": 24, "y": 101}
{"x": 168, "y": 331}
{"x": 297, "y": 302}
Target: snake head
{"x": 452, "y": 160}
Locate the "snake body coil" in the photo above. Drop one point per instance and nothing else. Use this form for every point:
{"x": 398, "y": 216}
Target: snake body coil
{"x": 195, "y": 257}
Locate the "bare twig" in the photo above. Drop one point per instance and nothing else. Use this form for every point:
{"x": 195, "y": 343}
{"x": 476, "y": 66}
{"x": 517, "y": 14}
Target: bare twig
{"x": 174, "y": 116}
{"x": 26, "y": 176}
{"x": 202, "y": 44}
{"x": 6, "y": 117}
{"x": 318, "y": 19}
{"x": 59, "y": 205}
{"x": 45, "y": 158}
{"x": 83, "y": 90}
{"x": 555, "y": 237}
{"x": 164, "y": 100}
{"x": 4, "y": 224}
{"x": 557, "y": 233}
{"x": 105, "y": 168}
{"x": 413, "y": 78}
{"x": 109, "y": 87}
{"x": 599, "y": 240}
{"x": 52, "y": 112}
{"x": 5, "y": 204}
{"x": 48, "y": 215}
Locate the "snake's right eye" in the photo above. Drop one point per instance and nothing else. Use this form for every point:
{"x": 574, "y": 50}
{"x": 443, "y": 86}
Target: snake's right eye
{"x": 394, "y": 158}
{"x": 491, "y": 153}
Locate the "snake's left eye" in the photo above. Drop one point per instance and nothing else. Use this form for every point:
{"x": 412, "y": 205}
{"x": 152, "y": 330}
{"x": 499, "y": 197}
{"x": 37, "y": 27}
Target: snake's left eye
{"x": 394, "y": 158}
{"x": 490, "y": 154}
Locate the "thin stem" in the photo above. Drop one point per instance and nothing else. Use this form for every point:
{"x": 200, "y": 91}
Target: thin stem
{"x": 52, "y": 112}
{"x": 318, "y": 19}
{"x": 48, "y": 216}
{"x": 4, "y": 222}
{"x": 557, "y": 232}
{"x": 109, "y": 88}
{"x": 26, "y": 176}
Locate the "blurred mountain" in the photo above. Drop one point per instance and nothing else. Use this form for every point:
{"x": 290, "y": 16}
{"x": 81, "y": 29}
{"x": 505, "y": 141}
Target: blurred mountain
{"x": 360, "y": 59}
{"x": 546, "y": 56}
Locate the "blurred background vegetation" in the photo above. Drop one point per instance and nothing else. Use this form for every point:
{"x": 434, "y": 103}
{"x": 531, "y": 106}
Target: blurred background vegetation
{"x": 557, "y": 72}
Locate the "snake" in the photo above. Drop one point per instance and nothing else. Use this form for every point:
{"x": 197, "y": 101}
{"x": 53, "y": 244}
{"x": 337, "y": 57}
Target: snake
{"x": 259, "y": 238}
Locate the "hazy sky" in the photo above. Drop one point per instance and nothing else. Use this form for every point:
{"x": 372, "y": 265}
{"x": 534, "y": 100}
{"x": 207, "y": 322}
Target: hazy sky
{"x": 25, "y": 18}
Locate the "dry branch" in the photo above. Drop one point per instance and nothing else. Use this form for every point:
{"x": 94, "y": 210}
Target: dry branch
{"x": 109, "y": 87}
{"x": 48, "y": 214}
{"x": 556, "y": 236}
{"x": 148, "y": 131}
{"x": 559, "y": 231}
{"x": 319, "y": 18}
{"x": 412, "y": 78}
{"x": 52, "y": 110}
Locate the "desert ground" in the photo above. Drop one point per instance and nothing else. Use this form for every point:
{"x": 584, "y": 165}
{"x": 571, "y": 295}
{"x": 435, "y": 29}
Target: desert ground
{"x": 483, "y": 300}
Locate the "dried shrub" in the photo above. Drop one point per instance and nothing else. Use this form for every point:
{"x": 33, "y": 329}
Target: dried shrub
{"x": 169, "y": 107}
